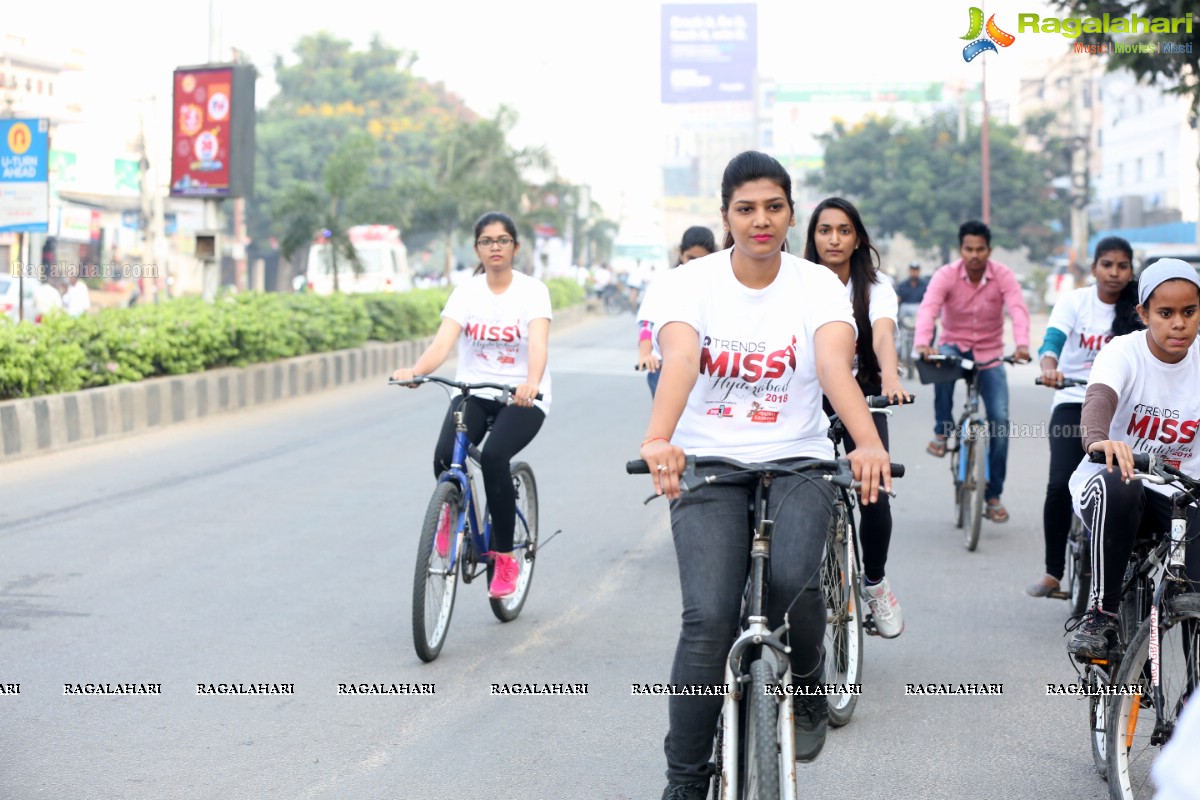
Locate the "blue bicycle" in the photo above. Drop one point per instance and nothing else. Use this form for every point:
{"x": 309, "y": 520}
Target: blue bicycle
{"x": 456, "y": 532}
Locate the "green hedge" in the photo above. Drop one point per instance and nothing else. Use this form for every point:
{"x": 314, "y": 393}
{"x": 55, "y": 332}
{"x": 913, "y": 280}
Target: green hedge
{"x": 119, "y": 345}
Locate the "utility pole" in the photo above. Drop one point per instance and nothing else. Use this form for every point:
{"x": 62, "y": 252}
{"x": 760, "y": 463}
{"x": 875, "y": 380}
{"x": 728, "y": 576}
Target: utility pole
{"x": 212, "y": 268}
{"x": 1079, "y": 173}
{"x": 985, "y": 146}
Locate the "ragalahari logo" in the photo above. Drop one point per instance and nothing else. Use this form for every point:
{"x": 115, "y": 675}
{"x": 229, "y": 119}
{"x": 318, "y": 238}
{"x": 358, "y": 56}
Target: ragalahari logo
{"x": 994, "y": 37}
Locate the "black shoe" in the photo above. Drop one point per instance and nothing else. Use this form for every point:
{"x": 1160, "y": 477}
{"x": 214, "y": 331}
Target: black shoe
{"x": 810, "y": 723}
{"x": 1097, "y": 632}
{"x": 685, "y": 791}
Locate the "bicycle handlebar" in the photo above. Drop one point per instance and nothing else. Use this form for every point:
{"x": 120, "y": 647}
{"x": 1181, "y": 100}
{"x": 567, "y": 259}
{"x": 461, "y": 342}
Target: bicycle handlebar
{"x": 838, "y": 470}
{"x": 967, "y": 363}
{"x": 1066, "y": 383}
{"x": 883, "y": 401}
{"x": 466, "y": 388}
{"x": 1152, "y": 467}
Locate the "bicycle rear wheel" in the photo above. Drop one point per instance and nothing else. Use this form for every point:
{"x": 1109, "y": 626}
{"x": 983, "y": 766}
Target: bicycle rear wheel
{"x": 1134, "y": 733}
{"x": 435, "y": 581}
{"x": 525, "y": 536}
{"x": 977, "y": 483}
{"x": 844, "y": 620}
{"x": 1078, "y": 574}
{"x": 762, "y": 729}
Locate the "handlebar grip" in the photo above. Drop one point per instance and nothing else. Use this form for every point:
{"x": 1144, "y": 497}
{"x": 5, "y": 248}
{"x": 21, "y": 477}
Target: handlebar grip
{"x": 1141, "y": 461}
{"x": 897, "y": 470}
{"x": 883, "y": 401}
{"x": 637, "y": 467}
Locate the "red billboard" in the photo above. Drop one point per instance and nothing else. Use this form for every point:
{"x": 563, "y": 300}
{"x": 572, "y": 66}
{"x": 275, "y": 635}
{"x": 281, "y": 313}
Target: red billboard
{"x": 203, "y": 134}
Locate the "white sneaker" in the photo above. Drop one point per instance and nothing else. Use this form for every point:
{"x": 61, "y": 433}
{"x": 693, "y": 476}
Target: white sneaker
{"x": 889, "y": 619}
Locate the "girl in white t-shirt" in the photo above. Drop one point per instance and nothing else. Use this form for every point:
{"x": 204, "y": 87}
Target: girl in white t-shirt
{"x": 750, "y": 336}
{"x": 697, "y": 242}
{"x": 1143, "y": 397}
{"x": 500, "y": 319}
{"x": 1082, "y": 322}
{"x": 838, "y": 239}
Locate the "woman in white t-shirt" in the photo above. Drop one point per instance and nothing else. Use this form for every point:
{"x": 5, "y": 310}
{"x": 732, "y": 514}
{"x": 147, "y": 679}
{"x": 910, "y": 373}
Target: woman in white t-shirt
{"x": 1082, "y": 322}
{"x": 838, "y": 239}
{"x": 1143, "y": 396}
{"x": 750, "y": 336}
{"x": 500, "y": 319}
{"x": 697, "y": 242}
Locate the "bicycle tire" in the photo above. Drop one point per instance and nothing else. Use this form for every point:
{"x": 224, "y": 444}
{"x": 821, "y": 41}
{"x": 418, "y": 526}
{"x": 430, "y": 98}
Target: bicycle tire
{"x": 525, "y": 536}
{"x": 955, "y": 455}
{"x": 1078, "y": 574}
{"x": 433, "y": 600}
{"x": 844, "y": 620}
{"x": 1132, "y": 718}
{"x": 978, "y": 488}
{"x": 1094, "y": 678}
{"x": 966, "y": 451}
{"x": 761, "y": 780}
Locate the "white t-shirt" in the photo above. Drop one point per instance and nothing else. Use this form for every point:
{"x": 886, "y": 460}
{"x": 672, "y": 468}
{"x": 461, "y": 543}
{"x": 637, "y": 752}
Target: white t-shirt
{"x": 646, "y": 310}
{"x": 1158, "y": 406}
{"x": 494, "y": 345}
{"x": 757, "y": 397}
{"x": 882, "y": 305}
{"x": 1087, "y": 323}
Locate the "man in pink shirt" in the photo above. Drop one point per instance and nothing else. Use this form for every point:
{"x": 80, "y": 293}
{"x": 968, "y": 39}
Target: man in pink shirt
{"x": 971, "y": 296}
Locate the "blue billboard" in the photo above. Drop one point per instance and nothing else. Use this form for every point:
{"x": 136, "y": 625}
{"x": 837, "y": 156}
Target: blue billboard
{"x": 709, "y": 52}
{"x": 24, "y": 175}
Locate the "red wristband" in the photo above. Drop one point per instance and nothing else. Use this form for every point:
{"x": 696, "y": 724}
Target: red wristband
{"x": 647, "y": 440}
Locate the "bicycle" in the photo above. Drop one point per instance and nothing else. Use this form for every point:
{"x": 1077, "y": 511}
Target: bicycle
{"x": 1077, "y": 574}
{"x": 764, "y": 768}
{"x": 906, "y": 328}
{"x": 844, "y": 590}
{"x": 1162, "y": 659}
{"x": 968, "y": 440}
{"x": 456, "y": 532}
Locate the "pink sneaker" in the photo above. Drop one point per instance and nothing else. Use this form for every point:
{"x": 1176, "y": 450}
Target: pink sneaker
{"x": 504, "y": 577}
{"x": 441, "y": 542}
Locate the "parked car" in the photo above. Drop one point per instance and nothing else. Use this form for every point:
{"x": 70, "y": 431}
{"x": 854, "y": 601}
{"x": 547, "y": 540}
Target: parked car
{"x": 1146, "y": 254}
{"x": 9, "y": 286}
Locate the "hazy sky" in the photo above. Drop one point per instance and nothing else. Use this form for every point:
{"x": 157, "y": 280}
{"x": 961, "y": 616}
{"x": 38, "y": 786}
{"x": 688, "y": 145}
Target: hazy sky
{"x": 584, "y": 77}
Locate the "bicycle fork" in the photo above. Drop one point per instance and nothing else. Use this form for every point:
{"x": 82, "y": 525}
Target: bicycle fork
{"x": 1174, "y": 572}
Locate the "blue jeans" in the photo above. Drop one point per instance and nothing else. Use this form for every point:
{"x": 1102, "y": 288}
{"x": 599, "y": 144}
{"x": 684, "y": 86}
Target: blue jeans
{"x": 993, "y": 389}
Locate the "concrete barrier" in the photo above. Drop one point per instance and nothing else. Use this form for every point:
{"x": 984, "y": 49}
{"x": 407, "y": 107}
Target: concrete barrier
{"x": 39, "y": 425}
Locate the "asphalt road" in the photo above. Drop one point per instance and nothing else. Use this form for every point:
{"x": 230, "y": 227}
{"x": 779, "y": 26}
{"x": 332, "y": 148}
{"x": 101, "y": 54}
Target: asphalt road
{"x": 277, "y": 547}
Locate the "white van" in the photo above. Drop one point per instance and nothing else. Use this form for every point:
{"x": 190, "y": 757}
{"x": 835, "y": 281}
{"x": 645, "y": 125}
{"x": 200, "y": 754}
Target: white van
{"x": 384, "y": 261}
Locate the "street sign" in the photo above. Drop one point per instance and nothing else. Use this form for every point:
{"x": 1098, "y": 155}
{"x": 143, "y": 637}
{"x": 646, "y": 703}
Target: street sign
{"x": 24, "y": 175}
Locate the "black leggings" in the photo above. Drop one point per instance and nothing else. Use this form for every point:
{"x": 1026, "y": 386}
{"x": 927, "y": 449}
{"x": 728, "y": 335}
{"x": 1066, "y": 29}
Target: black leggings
{"x": 875, "y": 520}
{"x": 1066, "y": 451}
{"x": 512, "y": 428}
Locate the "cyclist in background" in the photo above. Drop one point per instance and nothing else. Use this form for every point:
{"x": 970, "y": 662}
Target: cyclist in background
{"x": 505, "y": 316}
{"x": 750, "y": 337}
{"x": 970, "y": 296}
{"x": 1143, "y": 396}
{"x": 697, "y": 242}
{"x": 1082, "y": 322}
{"x": 912, "y": 289}
{"x": 838, "y": 240}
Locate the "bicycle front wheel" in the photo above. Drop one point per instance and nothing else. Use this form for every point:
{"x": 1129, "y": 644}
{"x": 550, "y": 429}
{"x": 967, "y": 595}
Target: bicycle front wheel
{"x": 1097, "y": 717}
{"x": 525, "y": 537}
{"x": 1138, "y": 725}
{"x": 762, "y": 734}
{"x": 435, "y": 581}
{"x": 977, "y": 481}
{"x": 843, "y": 622}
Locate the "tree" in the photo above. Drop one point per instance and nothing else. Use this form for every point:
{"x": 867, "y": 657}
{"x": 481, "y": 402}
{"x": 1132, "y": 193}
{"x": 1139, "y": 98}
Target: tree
{"x": 473, "y": 170}
{"x": 304, "y": 210}
{"x": 920, "y": 180}
{"x": 1177, "y": 73}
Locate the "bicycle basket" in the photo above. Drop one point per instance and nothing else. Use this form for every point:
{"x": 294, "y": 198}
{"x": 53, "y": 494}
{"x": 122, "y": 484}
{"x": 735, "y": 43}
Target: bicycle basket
{"x": 938, "y": 371}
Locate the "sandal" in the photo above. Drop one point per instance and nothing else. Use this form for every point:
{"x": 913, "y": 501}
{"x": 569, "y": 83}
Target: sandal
{"x": 936, "y": 448}
{"x": 1046, "y": 586}
{"x": 995, "y": 511}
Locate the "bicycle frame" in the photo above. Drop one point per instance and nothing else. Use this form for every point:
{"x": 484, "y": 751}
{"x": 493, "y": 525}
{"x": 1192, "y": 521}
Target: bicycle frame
{"x": 965, "y": 429}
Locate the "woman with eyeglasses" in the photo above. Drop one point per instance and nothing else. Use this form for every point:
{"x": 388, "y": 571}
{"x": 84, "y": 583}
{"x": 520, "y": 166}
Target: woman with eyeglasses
{"x": 500, "y": 319}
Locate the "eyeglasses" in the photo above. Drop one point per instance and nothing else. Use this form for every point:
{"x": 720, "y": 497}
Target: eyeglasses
{"x": 485, "y": 242}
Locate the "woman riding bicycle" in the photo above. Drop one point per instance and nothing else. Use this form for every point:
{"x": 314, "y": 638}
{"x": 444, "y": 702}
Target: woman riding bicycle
{"x": 506, "y": 318}
{"x": 750, "y": 336}
{"x": 697, "y": 242}
{"x": 1143, "y": 396}
{"x": 1082, "y": 322}
{"x": 838, "y": 239}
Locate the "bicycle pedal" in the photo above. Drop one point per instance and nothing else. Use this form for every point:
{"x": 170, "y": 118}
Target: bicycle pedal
{"x": 1059, "y": 594}
{"x": 869, "y": 626}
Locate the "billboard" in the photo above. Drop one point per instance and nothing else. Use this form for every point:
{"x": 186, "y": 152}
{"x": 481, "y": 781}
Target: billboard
{"x": 213, "y": 131}
{"x": 25, "y": 175}
{"x": 709, "y": 52}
